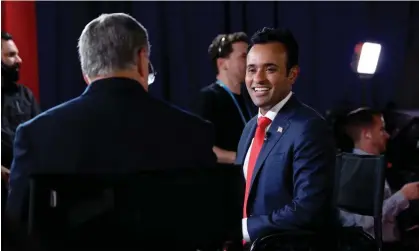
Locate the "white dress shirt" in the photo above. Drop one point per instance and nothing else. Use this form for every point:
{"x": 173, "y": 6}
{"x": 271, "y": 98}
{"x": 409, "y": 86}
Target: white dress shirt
{"x": 271, "y": 114}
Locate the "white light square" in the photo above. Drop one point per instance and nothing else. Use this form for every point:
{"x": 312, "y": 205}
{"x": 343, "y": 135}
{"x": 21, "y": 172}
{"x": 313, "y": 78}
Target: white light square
{"x": 368, "y": 60}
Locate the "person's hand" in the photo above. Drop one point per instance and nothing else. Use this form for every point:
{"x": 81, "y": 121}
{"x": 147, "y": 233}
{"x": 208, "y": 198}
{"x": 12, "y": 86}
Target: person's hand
{"x": 233, "y": 157}
{"x": 224, "y": 156}
{"x": 5, "y": 170}
{"x": 411, "y": 191}
{"x": 5, "y": 174}
{"x": 412, "y": 228}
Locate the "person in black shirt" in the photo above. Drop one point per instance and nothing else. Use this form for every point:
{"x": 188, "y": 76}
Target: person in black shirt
{"x": 17, "y": 101}
{"x": 226, "y": 102}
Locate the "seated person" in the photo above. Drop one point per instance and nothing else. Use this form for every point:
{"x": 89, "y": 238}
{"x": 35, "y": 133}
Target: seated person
{"x": 367, "y": 129}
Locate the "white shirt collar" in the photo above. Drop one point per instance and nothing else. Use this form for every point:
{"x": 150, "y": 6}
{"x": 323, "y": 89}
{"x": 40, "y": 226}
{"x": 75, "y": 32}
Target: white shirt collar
{"x": 360, "y": 152}
{"x": 271, "y": 114}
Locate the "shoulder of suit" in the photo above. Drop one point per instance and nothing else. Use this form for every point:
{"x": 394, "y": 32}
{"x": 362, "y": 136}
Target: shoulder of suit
{"x": 25, "y": 89}
{"x": 210, "y": 89}
{"x": 306, "y": 112}
{"x": 307, "y": 118}
{"x": 54, "y": 113}
{"x": 22, "y": 86}
{"x": 181, "y": 116}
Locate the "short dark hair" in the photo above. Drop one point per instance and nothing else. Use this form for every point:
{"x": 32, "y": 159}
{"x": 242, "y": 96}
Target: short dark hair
{"x": 6, "y": 36}
{"x": 358, "y": 119}
{"x": 222, "y": 46}
{"x": 283, "y": 36}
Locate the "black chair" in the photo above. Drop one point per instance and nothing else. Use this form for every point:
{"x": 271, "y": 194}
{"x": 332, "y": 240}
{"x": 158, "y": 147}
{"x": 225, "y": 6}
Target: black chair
{"x": 150, "y": 210}
{"x": 289, "y": 240}
{"x": 354, "y": 239}
{"x": 360, "y": 187}
{"x": 344, "y": 239}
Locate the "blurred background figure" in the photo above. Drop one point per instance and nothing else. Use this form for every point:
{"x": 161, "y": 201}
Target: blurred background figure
{"x": 17, "y": 101}
{"x": 225, "y": 102}
{"x": 366, "y": 128}
{"x": 17, "y": 105}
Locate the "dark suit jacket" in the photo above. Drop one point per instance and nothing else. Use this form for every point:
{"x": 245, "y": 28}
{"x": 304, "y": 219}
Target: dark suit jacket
{"x": 114, "y": 126}
{"x": 293, "y": 177}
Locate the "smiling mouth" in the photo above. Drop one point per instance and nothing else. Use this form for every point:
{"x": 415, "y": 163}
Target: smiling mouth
{"x": 261, "y": 89}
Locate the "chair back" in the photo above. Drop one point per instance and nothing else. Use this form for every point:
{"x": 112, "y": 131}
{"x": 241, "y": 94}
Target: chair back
{"x": 178, "y": 207}
{"x": 360, "y": 187}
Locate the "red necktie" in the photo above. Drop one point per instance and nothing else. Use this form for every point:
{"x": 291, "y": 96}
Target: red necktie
{"x": 258, "y": 140}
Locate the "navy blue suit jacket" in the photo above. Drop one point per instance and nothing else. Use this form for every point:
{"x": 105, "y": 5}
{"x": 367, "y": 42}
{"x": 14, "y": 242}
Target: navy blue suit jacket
{"x": 114, "y": 126}
{"x": 293, "y": 177}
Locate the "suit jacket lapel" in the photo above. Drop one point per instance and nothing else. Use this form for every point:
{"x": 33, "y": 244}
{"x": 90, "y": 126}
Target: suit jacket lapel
{"x": 278, "y": 127}
{"x": 249, "y": 139}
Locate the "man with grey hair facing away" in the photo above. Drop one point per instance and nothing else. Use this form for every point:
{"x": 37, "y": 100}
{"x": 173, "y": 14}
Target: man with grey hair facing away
{"x": 114, "y": 126}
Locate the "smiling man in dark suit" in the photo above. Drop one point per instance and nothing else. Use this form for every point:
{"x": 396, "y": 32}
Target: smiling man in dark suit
{"x": 114, "y": 126}
{"x": 286, "y": 151}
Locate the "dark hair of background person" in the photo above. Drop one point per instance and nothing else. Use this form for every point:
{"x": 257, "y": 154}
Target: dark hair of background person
{"x": 283, "y": 36}
{"x": 222, "y": 46}
{"x": 6, "y": 36}
{"x": 357, "y": 119}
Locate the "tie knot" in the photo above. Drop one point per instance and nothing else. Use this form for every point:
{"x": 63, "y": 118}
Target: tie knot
{"x": 263, "y": 122}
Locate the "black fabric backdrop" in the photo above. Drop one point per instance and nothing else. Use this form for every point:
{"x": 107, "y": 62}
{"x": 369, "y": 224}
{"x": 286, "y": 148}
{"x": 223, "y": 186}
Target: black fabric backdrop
{"x": 180, "y": 33}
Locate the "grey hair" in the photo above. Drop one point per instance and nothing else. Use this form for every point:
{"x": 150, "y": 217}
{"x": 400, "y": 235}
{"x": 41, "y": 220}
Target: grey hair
{"x": 110, "y": 43}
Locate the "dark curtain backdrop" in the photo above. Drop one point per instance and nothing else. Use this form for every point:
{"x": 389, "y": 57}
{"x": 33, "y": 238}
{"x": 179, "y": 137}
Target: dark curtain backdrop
{"x": 180, "y": 33}
{"x": 408, "y": 90}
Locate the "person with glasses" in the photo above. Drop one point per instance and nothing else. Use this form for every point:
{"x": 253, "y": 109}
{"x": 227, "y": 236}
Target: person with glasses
{"x": 225, "y": 102}
{"x": 115, "y": 125}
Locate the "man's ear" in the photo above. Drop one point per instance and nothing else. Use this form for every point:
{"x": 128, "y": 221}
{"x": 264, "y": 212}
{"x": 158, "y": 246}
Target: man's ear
{"x": 221, "y": 64}
{"x": 293, "y": 73}
{"x": 86, "y": 79}
{"x": 142, "y": 68}
{"x": 366, "y": 133}
{"x": 142, "y": 54}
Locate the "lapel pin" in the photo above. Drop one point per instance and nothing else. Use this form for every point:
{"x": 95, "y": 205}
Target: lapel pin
{"x": 279, "y": 129}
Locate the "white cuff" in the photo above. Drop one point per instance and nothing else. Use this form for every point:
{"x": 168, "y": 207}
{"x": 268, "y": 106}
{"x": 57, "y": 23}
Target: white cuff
{"x": 244, "y": 230}
{"x": 401, "y": 201}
